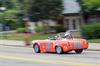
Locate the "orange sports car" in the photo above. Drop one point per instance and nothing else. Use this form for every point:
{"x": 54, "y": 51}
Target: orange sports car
{"x": 60, "y": 43}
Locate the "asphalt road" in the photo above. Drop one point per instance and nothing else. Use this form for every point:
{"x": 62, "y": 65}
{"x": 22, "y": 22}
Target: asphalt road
{"x": 21, "y": 56}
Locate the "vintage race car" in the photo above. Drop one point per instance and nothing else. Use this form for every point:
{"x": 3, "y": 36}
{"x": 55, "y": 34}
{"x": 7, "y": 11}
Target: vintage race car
{"x": 60, "y": 44}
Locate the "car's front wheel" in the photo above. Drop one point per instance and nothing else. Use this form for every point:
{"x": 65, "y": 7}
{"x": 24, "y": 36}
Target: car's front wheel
{"x": 59, "y": 50}
{"x": 36, "y": 48}
{"x": 79, "y": 51}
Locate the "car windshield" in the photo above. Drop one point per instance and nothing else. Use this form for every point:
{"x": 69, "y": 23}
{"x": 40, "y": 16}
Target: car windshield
{"x": 60, "y": 35}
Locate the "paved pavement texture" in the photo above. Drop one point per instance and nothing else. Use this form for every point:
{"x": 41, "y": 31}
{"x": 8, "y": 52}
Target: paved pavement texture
{"x": 92, "y": 46}
{"x": 12, "y": 43}
{"x": 22, "y": 56}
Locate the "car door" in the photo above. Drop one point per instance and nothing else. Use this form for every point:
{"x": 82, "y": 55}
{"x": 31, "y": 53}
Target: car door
{"x": 48, "y": 45}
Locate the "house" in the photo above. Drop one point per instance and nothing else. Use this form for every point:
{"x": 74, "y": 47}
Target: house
{"x": 72, "y": 15}
{"x": 73, "y": 18}
{"x": 93, "y": 17}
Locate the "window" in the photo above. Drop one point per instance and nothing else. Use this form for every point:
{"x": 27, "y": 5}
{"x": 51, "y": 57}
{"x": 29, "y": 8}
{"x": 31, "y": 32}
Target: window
{"x": 74, "y": 23}
{"x": 80, "y": 22}
{"x": 67, "y": 23}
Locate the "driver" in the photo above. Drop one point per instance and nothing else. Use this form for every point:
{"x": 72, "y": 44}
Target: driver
{"x": 68, "y": 35}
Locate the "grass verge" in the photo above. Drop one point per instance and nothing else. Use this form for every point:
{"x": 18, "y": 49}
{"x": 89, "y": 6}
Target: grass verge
{"x": 24, "y": 36}
{"x": 94, "y": 40}
{"x": 30, "y": 37}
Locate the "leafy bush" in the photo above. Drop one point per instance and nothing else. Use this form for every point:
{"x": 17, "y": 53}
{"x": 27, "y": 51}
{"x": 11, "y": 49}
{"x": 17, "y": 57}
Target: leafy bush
{"x": 40, "y": 29}
{"x": 21, "y": 30}
{"x": 11, "y": 18}
{"x": 91, "y": 31}
{"x": 58, "y": 28}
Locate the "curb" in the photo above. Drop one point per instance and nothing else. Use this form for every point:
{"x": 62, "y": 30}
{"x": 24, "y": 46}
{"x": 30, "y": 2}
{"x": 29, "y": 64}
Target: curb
{"x": 12, "y": 45}
{"x": 16, "y": 46}
{"x": 93, "y": 49}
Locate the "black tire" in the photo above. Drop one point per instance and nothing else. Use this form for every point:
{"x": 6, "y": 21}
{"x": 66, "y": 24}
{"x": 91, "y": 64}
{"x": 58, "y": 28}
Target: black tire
{"x": 59, "y": 50}
{"x": 79, "y": 51}
{"x": 36, "y": 48}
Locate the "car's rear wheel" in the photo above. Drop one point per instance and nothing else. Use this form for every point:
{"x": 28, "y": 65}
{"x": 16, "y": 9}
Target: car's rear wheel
{"x": 79, "y": 51}
{"x": 36, "y": 48}
{"x": 59, "y": 50}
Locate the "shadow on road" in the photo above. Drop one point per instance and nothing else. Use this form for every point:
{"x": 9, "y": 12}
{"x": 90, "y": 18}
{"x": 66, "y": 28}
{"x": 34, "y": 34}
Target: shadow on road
{"x": 67, "y": 53}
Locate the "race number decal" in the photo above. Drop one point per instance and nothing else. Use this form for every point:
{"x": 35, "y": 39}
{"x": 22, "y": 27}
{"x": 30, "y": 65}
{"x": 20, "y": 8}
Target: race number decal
{"x": 48, "y": 45}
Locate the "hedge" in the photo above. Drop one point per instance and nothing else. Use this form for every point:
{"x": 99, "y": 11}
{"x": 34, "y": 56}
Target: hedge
{"x": 56, "y": 28}
{"x": 91, "y": 31}
{"x": 21, "y": 30}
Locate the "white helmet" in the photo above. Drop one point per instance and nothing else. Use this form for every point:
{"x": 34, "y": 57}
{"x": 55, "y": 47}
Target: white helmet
{"x": 67, "y": 33}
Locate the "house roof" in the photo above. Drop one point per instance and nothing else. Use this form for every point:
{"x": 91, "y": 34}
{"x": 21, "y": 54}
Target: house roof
{"x": 71, "y": 6}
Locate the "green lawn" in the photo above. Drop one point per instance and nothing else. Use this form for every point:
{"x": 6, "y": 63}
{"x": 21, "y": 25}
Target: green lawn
{"x": 30, "y": 37}
{"x": 23, "y": 36}
{"x": 15, "y": 36}
{"x": 94, "y": 40}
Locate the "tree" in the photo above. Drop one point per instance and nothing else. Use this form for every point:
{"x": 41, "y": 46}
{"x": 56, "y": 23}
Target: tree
{"x": 24, "y": 6}
{"x": 11, "y": 15}
{"x": 9, "y": 18}
{"x": 90, "y": 6}
{"x": 45, "y": 9}
{"x": 6, "y": 3}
